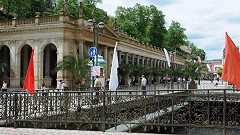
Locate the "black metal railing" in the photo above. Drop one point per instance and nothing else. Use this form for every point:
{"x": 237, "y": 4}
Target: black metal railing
{"x": 125, "y": 110}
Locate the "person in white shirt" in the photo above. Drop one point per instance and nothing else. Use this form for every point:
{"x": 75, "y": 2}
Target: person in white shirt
{"x": 59, "y": 85}
{"x": 143, "y": 84}
{"x": 63, "y": 86}
{"x": 97, "y": 87}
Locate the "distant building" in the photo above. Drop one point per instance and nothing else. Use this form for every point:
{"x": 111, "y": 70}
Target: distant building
{"x": 215, "y": 64}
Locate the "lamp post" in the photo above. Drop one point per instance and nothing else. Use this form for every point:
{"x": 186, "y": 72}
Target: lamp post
{"x": 92, "y": 22}
{"x": 96, "y": 27}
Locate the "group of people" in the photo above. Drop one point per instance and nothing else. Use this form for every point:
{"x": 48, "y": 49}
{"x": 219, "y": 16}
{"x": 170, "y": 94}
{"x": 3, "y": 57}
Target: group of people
{"x": 60, "y": 87}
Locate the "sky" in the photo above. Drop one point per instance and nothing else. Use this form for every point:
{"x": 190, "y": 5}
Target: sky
{"x": 206, "y": 21}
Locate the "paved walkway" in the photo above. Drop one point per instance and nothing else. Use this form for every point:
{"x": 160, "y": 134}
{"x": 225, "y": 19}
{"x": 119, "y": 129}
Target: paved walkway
{"x": 31, "y": 131}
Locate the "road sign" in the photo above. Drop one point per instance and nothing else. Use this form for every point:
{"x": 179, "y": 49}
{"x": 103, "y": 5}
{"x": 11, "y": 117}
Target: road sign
{"x": 92, "y": 51}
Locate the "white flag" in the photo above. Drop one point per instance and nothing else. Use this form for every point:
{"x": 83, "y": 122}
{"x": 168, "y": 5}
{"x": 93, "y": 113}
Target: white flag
{"x": 209, "y": 68}
{"x": 113, "y": 83}
{"x": 167, "y": 57}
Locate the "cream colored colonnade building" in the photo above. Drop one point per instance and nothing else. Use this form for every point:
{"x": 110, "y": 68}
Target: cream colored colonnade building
{"x": 56, "y": 36}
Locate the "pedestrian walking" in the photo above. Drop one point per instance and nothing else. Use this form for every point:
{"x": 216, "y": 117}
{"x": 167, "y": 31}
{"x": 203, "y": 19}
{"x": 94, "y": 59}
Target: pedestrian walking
{"x": 97, "y": 87}
{"x": 143, "y": 84}
{"x": 60, "y": 85}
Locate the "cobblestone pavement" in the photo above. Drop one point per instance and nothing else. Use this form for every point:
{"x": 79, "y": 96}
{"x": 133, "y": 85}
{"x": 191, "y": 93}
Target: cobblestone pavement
{"x": 31, "y": 131}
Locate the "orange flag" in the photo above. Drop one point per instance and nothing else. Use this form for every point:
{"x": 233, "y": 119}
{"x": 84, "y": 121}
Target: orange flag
{"x": 29, "y": 80}
{"x": 231, "y": 68}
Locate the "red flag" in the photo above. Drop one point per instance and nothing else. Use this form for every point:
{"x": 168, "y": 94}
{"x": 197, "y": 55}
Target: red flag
{"x": 231, "y": 68}
{"x": 29, "y": 80}
{"x": 199, "y": 59}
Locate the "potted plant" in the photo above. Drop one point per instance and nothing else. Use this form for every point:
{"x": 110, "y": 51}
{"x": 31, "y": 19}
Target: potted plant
{"x": 193, "y": 70}
{"x": 78, "y": 67}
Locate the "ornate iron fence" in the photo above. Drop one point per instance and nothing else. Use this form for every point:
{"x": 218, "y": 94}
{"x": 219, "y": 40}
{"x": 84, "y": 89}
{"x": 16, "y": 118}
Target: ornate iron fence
{"x": 215, "y": 110}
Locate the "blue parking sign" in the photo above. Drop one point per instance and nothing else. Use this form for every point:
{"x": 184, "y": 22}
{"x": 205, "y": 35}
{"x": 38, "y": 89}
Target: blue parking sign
{"x": 92, "y": 51}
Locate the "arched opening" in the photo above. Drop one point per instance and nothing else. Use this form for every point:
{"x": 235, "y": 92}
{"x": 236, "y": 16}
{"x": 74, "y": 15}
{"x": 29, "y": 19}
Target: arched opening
{"x": 25, "y": 58}
{"x": 5, "y": 64}
{"x": 49, "y": 63}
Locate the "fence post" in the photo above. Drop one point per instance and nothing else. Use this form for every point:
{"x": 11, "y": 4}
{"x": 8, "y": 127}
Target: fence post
{"x": 224, "y": 112}
{"x": 103, "y": 116}
{"x": 15, "y": 110}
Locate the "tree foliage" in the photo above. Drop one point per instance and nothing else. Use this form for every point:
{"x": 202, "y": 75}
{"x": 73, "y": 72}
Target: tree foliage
{"x": 175, "y": 35}
{"x": 195, "y": 51}
{"x": 77, "y": 66}
{"x": 145, "y": 23}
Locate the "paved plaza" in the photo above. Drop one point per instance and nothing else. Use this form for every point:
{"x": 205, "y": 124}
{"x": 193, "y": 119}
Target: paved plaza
{"x": 30, "y": 131}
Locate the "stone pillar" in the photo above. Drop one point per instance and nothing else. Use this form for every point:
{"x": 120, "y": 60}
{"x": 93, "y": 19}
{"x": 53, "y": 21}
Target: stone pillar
{"x": 158, "y": 63}
{"x": 36, "y": 67}
{"x": 15, "y": 66}
{"x": 119, "y": 57}
{"x": 133, "y": 58}
{"x": 147, "y": 62}
{"x": 138, "y": 60}
{"x": 152, "y": 63}
{"x": 155, "y": 63}
{"x": 80, "y": 48}
{"x": 60, "y": 53}
{"x": 143, "y": 59}
{"x": 126, "y": 58}
{"x": 105, "y": 55}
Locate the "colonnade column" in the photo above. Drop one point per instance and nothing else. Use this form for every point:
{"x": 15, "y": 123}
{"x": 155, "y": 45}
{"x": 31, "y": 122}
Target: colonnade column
{"x": 36, "y": 67}
{"x": 15, "y": 66}
{"x": 60, "y": 58}
{"x": 133, "y": 59}
{"x": 119, "y": 57}
{"x": 138, "y": 59}
{"x": 126, "y": 58}
{"x": 147, "y": 61}
{"x": 107, "y": 62}
{"x": 80, "y": 48}
{"x": 143, "y": 59}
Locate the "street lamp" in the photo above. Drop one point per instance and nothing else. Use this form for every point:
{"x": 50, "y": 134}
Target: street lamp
{"x": 92, "y": 22}
{"x": 96, "y": 27}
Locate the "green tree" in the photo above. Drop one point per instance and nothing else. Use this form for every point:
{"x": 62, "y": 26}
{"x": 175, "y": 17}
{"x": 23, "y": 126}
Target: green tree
{"x": 75, "y": 65}
{"x": 48, "y": 8}
{"x": 157, "y": 30}
{"x": 147, "y": 21}
{"x": 195, "y": 51}
{"x": 219, "y": 72}
{"x": 193, "y": 70}
{"x": 175, "y": 36}
{"x": 73, "y": 8}
{"x": 88, "y": 8}
{"x": 128, "y": 27}
{"x": 13, "y": 7}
